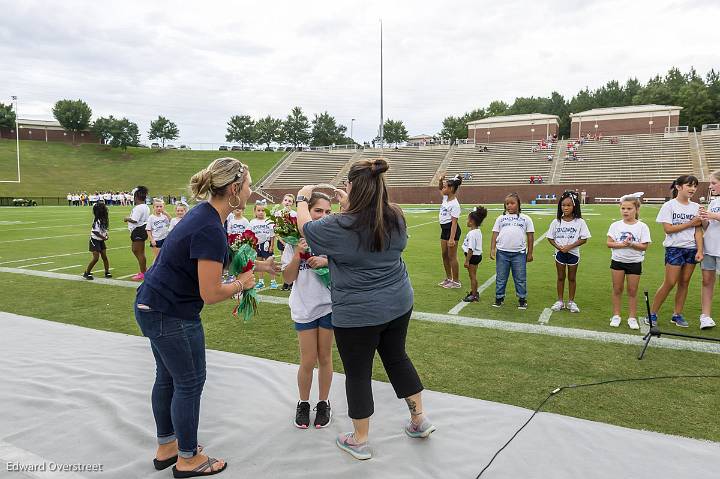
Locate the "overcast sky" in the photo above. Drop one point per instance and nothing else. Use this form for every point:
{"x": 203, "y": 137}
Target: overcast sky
{"x": 205, "y": 61}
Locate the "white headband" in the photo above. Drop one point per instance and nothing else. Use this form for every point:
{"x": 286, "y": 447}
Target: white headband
{"x": 632, "y": 196}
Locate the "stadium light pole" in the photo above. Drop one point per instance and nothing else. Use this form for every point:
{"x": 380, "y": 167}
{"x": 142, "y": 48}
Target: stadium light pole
{"x": 382, "y": 118}
{"x": 352, "y": 121}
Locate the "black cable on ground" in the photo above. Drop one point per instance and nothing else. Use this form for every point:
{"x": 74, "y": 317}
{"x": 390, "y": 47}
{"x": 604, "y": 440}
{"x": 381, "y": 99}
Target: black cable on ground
{"x": 576, "y": 386}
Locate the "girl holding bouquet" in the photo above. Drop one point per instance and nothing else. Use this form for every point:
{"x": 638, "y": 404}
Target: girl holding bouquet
{"x": 184, "y": 278}
{"x": 311, "y": 311}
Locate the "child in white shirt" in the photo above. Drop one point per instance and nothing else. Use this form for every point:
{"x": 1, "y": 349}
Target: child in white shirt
{"x": 158, "y": 226}
{"x": 180, "y": 212}
{"x": 264, "y": 231}
{"x": 450, "y": 230}
{"x": 711, "y": 248}
{"x": 472, "y": 247}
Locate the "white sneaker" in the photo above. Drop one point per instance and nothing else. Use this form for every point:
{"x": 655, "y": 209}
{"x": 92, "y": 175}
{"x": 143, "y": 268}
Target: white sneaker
{"x": 706, "y": 322}
{"x": 453, "y": 285}
{"x": 616, "y": 320}
{"x": 573, "y": 307}
{"x": 444, "y": 282}
{"x": 557, "y": 306}
{"x": 633, "y": 323}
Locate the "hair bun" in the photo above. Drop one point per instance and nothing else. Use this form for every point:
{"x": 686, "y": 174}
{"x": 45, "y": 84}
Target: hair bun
{"x": 379, "y": 166}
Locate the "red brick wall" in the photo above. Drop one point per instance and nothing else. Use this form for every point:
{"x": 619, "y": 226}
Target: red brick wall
{"x": 511, "y": 133}
{"x": 470, "y": 195}
{"x": 629, "y": 126}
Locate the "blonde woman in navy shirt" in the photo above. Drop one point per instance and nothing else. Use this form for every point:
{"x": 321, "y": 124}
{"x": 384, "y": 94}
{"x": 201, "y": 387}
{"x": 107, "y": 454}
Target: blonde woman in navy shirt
{"x": 167, "y": 308}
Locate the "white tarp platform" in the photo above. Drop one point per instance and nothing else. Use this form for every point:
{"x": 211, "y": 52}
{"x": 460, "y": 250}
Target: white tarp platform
{"x": 71, "y": 395}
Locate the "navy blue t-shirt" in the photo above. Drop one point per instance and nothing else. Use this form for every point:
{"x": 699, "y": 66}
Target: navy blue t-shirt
{"x": 171, "y": 285}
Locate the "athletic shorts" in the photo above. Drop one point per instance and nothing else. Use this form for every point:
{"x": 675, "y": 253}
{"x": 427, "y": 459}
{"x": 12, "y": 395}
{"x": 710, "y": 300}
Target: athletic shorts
{"x": 159, "y": 243}
{"x": 281, "y": 246}
{"x": 629, "y": 268}
{"x": 262, "y": 254}
{"x": 97, "y": 245}
{"x": 680, "y": 256}
{"x": 445, "y": 232}
{"x": 474, "y": 259}
{"x": 139, "y": 234}
{"x": 566, "y": 258}
{"x": 711, "y": 263}
{"x": 325, "y": 322}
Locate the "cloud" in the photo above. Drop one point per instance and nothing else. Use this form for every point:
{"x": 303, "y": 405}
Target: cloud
{"x": 200, "y": 63}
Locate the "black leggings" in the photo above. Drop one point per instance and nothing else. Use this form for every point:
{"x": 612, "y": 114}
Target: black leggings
{"x": 357, "y": 348}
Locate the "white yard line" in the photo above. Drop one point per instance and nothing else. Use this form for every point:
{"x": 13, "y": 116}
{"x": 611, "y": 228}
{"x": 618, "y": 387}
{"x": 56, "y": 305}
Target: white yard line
{"x": 45, "y": 227}
{"x": 66, "y": 267}
{"x": 461, "y": 305}
{"x": 126, "y": 276}
{"x": 545, "y": 316}
{"x": 53, "y": 237}
{"x": 55, "y": 256}
{"x": 421, "y": 224}
{"x": 632, "y": 339}
{"x": 34, "y": 264}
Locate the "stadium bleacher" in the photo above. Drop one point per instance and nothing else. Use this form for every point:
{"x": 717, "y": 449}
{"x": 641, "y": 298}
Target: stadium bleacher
{"x": 711, "y": 144}
{"x": 634, "y": 158}
{"x": 410, "y": 166}
{"x": 309, "y": 167}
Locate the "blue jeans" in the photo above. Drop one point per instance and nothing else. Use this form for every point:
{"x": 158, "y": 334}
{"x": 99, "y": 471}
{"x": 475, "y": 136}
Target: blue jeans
{"x": 179, "y": 349}
{"x": 517, "y": 262}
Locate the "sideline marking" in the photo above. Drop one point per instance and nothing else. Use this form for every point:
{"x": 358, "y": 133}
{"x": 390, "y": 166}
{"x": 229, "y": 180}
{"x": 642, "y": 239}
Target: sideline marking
{"x": 66, "y": 267}
{"x": 127, "y": 276}
{"x": 632, "y": 339}
{"x": 461, "y": 305}
{"x": 55, "y": 256}
{"x": 35, "y": 264}
{"x": 52, "y": 237}
{"x": 421, "y": 224}
{"x": 545, "y": 316}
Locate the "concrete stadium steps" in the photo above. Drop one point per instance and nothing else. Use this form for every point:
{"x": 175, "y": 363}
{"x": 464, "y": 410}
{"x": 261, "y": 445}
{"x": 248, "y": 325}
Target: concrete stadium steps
{"x": 409, "y": 166}
{"x": 636, "y": 158}
{"x": 311, "y": 167}
{"x": 711, "y": 145}
{"x": 504, "y": 163}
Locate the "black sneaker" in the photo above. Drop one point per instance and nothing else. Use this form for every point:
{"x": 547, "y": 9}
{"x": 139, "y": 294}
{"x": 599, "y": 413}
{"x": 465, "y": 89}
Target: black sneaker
{"x": 470, "y": 298}
{"x": 88, "y": 276}
{"x": 285, "y": 287}
{"x": 107, "y": 274}
{"x": 323, "y": 415}
{"x": 498, "y": 302}
{"x": 302, "y": 415}
{"x": 522, "y": 303}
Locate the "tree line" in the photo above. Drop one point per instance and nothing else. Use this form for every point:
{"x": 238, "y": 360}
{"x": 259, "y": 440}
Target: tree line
{"x": 699, "y": 96}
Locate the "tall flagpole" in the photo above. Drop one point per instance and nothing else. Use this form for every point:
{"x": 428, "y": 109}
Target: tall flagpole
{"x": 17, "y": 137}
{"x": 382, "y": 119}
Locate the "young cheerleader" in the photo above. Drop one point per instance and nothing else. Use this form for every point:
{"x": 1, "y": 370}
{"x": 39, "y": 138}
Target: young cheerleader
{"x": 287, "y": 202}
{"x": 180, "y": 211}
{"x": 683, "y": 246}
{"x": 311, "y": 311}
{"x": 472, "y": 247}
{"x": 512, "y": 245}
{"x": 236, "y": 223}
{"x": 98, "y": 236}
{"x": 566, "y": 234}
{"x": 158, "y": 226}
{"x": 711, "y": 247}
{"x": 138, "y": 234}
{"x": 450, "y": 230}
{"x": 628, "y": 239}
{"x": 266, "y": 239}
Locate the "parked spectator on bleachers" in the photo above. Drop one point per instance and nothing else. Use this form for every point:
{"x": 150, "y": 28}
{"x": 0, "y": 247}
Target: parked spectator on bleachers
{"x": 549, "y": 157}
{"x": 540, "y": 179}
{"x": 485, "y": 148}
{"x": 532, "y": 180}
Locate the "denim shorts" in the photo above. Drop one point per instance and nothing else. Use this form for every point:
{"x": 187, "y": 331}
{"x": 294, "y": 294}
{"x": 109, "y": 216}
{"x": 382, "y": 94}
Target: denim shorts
{"x": 566, "y": 258}
{"x": 711, "y": 263}
{"x": 325, "y": 322}
{"x": 680, "y": 256}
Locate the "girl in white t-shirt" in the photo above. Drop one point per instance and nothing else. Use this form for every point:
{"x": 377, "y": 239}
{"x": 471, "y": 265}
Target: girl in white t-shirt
{"x": 683, "y": 243}
{"x": 181, "y": 210}
{"x": 287, "y": 202}
{"x": 137, "y": 222}
{"x": 711, "y": 247}
{"x": 158, "y": 226}
{"x": 264, "y": 231}
{"x": 472, "y": 247}
{"x": 450, "y": 230}
{"x": 311, "y": 311}
{"x": 236, "y": 223}
{"x": 567, "y": 232}
{"x": 511, "y": 246}
{"x": 628, "y": 239}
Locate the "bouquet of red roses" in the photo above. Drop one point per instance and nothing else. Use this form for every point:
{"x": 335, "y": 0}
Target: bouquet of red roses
{"x": 285, "y": 225}
{"x": 242, "y": 260}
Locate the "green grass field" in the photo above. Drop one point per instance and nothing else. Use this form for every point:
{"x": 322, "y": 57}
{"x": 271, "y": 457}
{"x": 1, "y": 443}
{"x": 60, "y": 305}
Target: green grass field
{"x": 508, "y": 367}
{"x": 54, "y": 169}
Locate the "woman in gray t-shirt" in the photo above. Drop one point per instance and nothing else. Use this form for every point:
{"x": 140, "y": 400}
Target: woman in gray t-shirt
{"x": 371, "y": 293}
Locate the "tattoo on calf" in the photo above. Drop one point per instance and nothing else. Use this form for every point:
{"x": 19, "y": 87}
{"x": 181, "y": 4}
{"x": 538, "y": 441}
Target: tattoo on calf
{"x": 413, "y": 407}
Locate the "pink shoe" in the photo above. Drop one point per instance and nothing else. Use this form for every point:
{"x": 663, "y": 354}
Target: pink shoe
{"x": 138, "y": 277}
